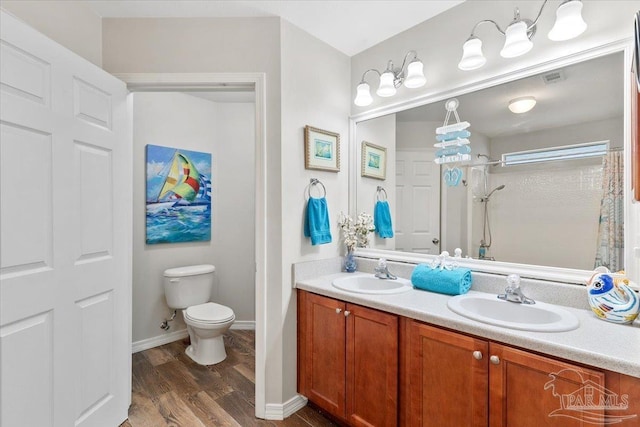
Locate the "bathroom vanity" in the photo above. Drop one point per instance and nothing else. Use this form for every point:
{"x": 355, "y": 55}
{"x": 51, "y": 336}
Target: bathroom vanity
{"x": 406, "y": 359}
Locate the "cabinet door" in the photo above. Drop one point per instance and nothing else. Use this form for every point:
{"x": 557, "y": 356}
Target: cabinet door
{"x": 448, "y": 383}
{"x": 323, "y": 364}
{"x": 532, "y": 390}
{"x": 372, "y": 367}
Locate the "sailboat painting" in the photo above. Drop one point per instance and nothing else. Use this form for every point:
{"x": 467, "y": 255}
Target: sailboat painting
{"x": 178, "y": 195}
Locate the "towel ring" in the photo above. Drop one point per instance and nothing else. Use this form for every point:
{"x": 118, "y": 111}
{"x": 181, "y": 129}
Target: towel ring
{"x": 379, "y": 191}
{"x": 315, "y": 181}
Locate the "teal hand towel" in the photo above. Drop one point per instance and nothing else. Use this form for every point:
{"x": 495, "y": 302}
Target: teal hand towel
{"x": 316, "y": 221}
{"x": 450, "y": 282}
{"x": 382, "y": 219}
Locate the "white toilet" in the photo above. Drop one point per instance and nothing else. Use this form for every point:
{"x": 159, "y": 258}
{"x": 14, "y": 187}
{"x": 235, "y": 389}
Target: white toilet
{"x": 189, "y": 289}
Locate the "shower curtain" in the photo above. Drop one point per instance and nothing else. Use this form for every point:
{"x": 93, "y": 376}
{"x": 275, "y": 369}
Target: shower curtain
{"x": 610, "y": 249}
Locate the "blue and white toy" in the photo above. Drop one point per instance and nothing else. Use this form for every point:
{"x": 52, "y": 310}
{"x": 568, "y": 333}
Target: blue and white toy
{"x": 611, "y": 298}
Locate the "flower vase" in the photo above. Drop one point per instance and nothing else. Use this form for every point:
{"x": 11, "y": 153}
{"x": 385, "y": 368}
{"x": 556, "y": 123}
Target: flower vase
{"x": 350, "y": 264}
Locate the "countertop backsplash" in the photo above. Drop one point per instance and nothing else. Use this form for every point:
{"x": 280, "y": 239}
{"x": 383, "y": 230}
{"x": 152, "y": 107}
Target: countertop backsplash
{"x": 569, "y": 295}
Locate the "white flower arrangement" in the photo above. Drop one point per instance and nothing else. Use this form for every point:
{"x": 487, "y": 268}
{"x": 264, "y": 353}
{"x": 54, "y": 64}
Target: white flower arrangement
{"x": 356, "y": 234}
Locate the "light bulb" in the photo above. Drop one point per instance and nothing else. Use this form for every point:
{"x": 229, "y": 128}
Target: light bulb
{"x": 516, "y": 41}
{"x": 363, "y": 95}
{"x": 386, "y": 87}
{"x": 415, "y": 76}
{"x": 569, "y": 23}
{"x": 472, "y": 57}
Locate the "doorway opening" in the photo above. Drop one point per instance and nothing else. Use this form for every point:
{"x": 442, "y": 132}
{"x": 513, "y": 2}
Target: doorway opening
{"x": 197, "y": 87}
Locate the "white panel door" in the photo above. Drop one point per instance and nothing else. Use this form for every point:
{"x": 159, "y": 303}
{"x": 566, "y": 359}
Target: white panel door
{"x": 65, "y": 221}
{"x": 418, "y": 201}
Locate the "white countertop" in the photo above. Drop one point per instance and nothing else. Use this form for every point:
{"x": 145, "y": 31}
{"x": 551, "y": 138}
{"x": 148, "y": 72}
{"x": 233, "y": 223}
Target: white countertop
{"x": 596, "y": 342}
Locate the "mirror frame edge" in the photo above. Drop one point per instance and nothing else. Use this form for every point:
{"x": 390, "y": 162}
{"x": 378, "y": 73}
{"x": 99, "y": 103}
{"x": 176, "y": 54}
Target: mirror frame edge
{"x": 548, "y": 273}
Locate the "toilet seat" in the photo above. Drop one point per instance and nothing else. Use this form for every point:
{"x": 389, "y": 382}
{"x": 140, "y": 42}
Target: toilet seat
{"x": 209, "y": 313}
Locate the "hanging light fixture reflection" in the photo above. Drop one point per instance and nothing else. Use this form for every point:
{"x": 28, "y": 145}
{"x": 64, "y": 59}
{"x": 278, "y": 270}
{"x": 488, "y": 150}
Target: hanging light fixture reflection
{"x": 569, "y": 24}
{"x": 410, "y": 74}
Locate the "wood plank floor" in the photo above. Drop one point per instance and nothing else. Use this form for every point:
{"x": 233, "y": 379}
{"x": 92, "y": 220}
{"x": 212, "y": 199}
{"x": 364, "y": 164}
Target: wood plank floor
{"x": 169, "y": 389}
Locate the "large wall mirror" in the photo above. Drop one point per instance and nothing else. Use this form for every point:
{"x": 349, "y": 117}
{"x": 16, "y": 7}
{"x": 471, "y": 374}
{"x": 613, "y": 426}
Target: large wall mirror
{"x": 542, "y": 188}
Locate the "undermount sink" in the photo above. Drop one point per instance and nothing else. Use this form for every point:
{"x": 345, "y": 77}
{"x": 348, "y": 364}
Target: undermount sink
{"x": 369, "y": 284}
{"x": 538, "y": 317}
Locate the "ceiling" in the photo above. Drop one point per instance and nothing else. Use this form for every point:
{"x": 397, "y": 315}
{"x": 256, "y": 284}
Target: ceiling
{"x": 590, "y": 91}
{"x": 350, "y": 26}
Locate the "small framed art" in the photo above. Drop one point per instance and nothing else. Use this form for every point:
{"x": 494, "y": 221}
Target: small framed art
{"x": 374, "y": 161}
{"x": 321, "y": 149}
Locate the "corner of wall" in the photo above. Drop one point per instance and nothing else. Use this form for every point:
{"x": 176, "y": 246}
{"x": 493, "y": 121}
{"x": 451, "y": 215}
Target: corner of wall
{"x": 70, "y": 23}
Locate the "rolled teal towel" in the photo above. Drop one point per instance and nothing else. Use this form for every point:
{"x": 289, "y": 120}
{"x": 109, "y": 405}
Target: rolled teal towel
{"x": 450, "y": 282}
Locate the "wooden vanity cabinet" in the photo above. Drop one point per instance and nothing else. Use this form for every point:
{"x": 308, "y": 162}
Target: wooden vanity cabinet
{"x": 370, "y": 368}
{"x": 529, "y": 390}
{"x": 455, "y": 379}
{"x": 447, "y": 385}
{"x": 348, "y": 360}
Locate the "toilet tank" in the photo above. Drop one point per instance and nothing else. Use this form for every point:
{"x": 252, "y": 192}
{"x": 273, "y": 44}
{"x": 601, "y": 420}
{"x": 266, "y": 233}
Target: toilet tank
{"x": 187, "y": 286}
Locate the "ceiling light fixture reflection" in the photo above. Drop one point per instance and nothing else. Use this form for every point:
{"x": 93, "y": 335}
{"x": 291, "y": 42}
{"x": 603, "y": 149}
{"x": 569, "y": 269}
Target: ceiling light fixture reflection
{"x": 522, "y": 104}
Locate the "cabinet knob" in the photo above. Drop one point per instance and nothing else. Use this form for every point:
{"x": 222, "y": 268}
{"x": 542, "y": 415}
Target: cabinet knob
{"x": 477, "y": 355}
{"x": 338, "y": 310}
{"x": 495, "y": 360}
{"x": 346, "y": 313}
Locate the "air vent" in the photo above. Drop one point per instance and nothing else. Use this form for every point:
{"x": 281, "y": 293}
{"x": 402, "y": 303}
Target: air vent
{"x": 553, "y": 77}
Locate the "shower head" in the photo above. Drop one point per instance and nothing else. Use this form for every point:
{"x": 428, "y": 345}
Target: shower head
{"x": 500, "y": 187}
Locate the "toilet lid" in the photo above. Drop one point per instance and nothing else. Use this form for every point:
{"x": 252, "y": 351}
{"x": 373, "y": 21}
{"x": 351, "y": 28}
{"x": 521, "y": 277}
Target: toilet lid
{"x": 209, "y": 312}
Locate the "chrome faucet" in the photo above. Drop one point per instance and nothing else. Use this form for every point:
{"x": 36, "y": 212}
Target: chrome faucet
{"x": 513, "y": 292}
{"x": 382, "y": 272}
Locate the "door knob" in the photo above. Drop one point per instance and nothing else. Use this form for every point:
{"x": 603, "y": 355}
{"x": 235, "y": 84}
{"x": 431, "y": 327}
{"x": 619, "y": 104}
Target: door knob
{"x": 477, "y": 355}
{"x": 495, "y": 360}
{"x": 435, "y": 241}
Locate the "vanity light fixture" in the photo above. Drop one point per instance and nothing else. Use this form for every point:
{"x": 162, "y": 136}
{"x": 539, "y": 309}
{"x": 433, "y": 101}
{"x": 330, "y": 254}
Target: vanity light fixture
{"x": 522, "y": 104}
{"x": 569, "y": 24}
{"x": 410, "y": 73}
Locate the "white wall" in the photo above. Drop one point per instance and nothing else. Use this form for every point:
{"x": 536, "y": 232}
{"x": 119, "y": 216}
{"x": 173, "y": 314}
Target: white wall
{"x": 70, "y": 23}
{"x": 226, "y": 131}
{"x": 381, "y": 131}
{"x": 233, "y": 220}
{"x": 315, "y": 91}
{"x": 226, "y": 45}
{"x": 610, "y": 129}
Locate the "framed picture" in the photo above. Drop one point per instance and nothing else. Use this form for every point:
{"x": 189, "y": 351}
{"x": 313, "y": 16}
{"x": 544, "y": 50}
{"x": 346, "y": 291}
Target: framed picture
{"x": 374, "y": 160}
{"x": 321, "y": 149}
{"x": 178, "y": 195}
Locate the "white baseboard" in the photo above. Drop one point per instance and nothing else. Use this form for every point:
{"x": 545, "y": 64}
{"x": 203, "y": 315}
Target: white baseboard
{"x": 275, "y": 411}
{"x": 247, "y": 325}
{"x": 158, "y": 340}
